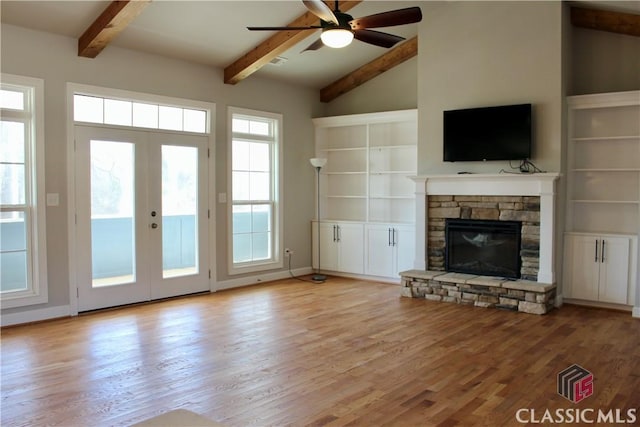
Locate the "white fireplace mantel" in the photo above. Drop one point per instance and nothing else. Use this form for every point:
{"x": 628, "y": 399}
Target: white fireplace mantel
{"x": 504, "y": 184}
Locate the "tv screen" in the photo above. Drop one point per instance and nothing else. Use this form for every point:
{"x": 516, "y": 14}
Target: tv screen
{"x": 488, "y": 133}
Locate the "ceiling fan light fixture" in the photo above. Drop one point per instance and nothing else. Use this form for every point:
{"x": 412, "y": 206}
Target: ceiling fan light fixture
{"x": 336, "y": 37}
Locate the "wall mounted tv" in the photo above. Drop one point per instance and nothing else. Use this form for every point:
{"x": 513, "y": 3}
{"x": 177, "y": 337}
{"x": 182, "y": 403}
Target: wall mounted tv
{"x": 488, "y": 133}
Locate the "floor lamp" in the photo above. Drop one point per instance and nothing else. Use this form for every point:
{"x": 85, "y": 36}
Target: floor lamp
{"x": 318, "y": 163}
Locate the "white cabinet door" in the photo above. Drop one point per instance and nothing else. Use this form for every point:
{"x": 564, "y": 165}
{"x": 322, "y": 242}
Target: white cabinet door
{"x": 614, "y": 270}
{"x": 405, "y": 243}
{"x": 351, "y": 248}
{"x": 599, "y": 268}
{"x": 380, "y": 251}
{"x": 390, "y": 249}
{"x": 329, "y": 254}
{"x": 583, "y": 268}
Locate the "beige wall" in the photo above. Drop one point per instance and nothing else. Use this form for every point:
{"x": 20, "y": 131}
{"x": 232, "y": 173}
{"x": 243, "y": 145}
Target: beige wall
{"x": 54, "y": 59}
{"x": 396, "y": 89}
{"x": 476, "y": 54}
{"x": 604, "y": 62}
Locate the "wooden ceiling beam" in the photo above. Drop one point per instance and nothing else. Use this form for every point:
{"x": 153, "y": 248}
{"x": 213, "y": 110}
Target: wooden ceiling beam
{"x": 395, "y": 56}
{"x": 275, "y": 45}
{"x": 606, "y": 20}
{"x": 111, "y": 22}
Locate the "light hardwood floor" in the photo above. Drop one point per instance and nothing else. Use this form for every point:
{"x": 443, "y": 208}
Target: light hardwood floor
{"x": 345, "y": 352}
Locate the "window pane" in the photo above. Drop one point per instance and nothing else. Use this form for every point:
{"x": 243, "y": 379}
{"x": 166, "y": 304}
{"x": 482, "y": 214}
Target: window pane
{"x": 241, "y": 247}
{"x": 259, "y": 186}
{"x": 260, "y": 246}
{"x": 12, "y": 185}
{"x": 13, "y": 231}
{"x": 117, "y": 112}
{"x": 240, "y": 125}
{"x": 241, "y": 219}
{"x": 240, "y": 156}
{"x": 195, "y": 120}
{"x": 261, "y": 218}
{"x": 260, "y": 160}
{"x": 259, "y": 128}
{"x": 11, "y": 99}
{"x": 112, "y": 222}
{"x": 170, "y": 118}
{"x": 179, "y": 210}
{"x": 240, "y": 184}
{"x": 12, "y": 146}
{"x": 13, "y": 271}
{"x": 145, "y": 115}
{"x": 88, "y": 109}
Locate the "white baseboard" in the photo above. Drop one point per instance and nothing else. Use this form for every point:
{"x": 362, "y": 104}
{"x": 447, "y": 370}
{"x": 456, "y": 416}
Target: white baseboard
{"x": 37, "y": 315}
{"x": 636, "y": 312}
{"x": 259, "y": 278}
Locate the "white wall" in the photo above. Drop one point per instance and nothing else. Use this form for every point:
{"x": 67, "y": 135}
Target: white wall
{"x": 54, "y": 59}
{"x": 475, "y": 54}
{"x": 396, "y": 89}
{"x": 604, "y": 62}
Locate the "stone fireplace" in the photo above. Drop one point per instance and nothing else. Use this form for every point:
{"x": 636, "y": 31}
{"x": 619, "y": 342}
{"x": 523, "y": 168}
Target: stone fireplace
{"x": 526, "y": 200}
{"x": 503, "y": 209}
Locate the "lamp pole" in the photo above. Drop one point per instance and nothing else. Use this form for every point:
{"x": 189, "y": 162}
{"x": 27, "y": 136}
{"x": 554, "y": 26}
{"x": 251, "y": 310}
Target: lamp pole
{"x": 318, "y": 163}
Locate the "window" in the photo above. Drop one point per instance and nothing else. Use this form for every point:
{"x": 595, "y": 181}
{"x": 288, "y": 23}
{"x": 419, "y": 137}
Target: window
{"x": 22, "y": 212}
{"x": 96, "y": 109}
{"x": 255, "y": 190}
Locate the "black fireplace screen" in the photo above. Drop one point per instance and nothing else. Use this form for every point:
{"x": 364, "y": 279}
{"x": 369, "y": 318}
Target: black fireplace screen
{"x": 483, "y": 247}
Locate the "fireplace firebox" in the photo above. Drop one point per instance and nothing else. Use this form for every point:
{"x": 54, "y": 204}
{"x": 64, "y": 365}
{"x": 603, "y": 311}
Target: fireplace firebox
{"x": 483, "y": 247}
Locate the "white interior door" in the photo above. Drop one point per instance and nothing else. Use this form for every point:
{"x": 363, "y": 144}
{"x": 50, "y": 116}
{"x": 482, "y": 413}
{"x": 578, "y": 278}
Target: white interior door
{"x": 141, "y": 220}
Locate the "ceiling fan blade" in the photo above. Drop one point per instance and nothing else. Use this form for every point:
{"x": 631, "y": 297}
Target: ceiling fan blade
{"x": 388, "y": 19}
{"x": 315, "y": 45}
{"x": 377, "y": 38}
{"x": 282, "y": 28}
{"x": 321, "y": 10}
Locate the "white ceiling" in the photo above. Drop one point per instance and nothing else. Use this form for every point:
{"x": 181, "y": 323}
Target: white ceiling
{"x": 213, "y": 32}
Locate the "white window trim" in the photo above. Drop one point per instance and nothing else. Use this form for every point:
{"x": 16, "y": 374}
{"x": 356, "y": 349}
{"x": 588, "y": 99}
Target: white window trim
{"x": 77, "y": 88}
{"x": 39, "y": 291}
{"x": 276, "y": 262}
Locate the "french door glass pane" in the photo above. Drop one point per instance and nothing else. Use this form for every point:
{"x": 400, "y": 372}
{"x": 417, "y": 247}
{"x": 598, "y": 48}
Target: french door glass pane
{"x": 112, "y": 213}
{"x": 179, "y": 211}
{"x": 13, "y": 252}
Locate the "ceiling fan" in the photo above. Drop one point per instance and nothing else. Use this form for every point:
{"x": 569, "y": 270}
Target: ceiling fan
{"x": 339, "y": 29}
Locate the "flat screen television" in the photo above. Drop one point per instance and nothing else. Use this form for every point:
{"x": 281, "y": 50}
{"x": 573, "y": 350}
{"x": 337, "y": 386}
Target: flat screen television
{"x": 487, "y": 133}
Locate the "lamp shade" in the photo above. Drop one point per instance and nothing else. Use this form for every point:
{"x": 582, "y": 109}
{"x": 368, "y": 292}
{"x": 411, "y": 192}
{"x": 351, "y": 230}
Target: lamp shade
{"x": 336, "y": 37}
{"x": 318, "y": 162}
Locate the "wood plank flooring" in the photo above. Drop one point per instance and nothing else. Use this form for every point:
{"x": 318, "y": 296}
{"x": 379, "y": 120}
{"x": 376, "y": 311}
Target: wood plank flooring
{"x": 291, "y": 353}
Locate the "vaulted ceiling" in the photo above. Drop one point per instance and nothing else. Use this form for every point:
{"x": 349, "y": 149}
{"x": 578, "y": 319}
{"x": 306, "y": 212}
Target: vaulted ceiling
{"x": 214, "y": 33}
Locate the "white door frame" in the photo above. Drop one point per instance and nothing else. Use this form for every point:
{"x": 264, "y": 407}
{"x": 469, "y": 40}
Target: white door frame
{"x": 73, "y": 88}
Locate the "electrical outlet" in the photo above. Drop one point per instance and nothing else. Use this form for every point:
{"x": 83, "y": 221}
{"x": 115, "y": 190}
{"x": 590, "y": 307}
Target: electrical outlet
{"x": 288, "y": 252}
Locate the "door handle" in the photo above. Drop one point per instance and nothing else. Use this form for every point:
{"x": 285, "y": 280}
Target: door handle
{"x": 334, "y": 233}
{"x": 602, "y": 254}
{"x": 389, "y": 237}
{"x": 596, "y": 259}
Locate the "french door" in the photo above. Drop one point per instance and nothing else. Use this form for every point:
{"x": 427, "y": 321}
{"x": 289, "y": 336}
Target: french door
{"x": 141, "y": 219}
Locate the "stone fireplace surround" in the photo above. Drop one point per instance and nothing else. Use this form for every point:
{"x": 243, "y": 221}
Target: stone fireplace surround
{"x": 529, "y": 198}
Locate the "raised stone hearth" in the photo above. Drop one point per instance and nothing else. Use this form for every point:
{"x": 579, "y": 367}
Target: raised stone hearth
{"x": 480, "y": 291}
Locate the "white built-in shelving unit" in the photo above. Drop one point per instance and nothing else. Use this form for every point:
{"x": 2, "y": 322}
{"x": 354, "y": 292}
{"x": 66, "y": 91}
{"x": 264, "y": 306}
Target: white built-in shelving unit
{"x": 603, "y": 212}
{"x": 365, "y": 184}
